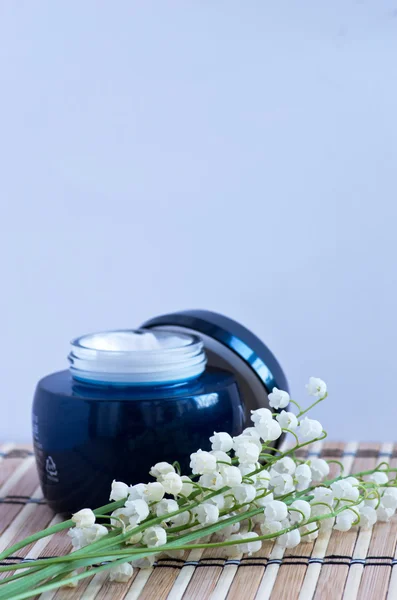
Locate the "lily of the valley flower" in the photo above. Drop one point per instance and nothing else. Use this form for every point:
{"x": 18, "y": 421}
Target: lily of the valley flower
{"x": 187, "y": 486}
{"x": 297, "y": 508}
{"x": 276, "y": 511}
{"x": 287, "y": 420}
{"x": 269, "y": 431}
{"x": 289, "y": 540}
{"x": 83, "y": 536}
{"x": 231, "y": 476}
{"x": 165, "y": 506}
{"x": 309, "y": 429}
{"x": 278, "y": 398}
{"x": 121, "y": 573}
{"x": 84, "y": 518}
{"x": 155, "y": 536}
{"x": 202, "y": 462}
{"x": 247, "y": 452}
{"x": 319, "y": 468}
{"x": 119, "y": 490}
{"x": 244, "y": 493}
{"x": 172, "y": 483}
{"x": 206, "y": 513}
{"x": 316, "y": 387}
{"x": 221, "y": 441}
{"x": 303, "y": 477}
{"x": 137, "y": 510}
{"x": 160, "y": 469}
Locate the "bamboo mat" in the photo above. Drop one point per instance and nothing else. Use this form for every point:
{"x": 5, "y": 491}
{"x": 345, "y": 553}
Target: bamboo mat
{"x": 354, "y": 565}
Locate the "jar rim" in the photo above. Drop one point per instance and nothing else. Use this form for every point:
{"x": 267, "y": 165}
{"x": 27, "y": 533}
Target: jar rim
{"x": 180, "y": 357}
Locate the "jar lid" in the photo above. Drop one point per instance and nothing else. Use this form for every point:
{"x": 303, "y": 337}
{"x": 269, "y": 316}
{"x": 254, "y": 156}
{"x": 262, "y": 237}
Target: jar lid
{"x": 231, "y": 346}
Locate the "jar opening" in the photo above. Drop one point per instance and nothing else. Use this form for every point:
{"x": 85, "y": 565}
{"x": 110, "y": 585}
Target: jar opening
{"x": 137, "y": 357}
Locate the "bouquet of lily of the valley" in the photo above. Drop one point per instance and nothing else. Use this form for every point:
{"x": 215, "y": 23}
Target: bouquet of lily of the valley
{"x": 241, "y": 492}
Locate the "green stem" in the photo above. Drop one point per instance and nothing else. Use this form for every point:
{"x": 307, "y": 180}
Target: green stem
{"x": 54, "y": 529}
{"x": 296, "y": 404}
{"x": 302, "y": 412}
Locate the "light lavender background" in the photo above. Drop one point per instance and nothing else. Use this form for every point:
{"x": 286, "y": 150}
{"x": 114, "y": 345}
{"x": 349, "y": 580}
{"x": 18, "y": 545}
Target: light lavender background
{"x": 234, "y": 156}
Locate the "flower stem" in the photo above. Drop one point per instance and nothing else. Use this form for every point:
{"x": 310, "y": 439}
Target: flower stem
{"x": 303, "y": 412}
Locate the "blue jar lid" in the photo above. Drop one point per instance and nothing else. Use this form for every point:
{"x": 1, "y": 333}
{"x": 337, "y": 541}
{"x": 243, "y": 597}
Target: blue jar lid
{"x": 231, "y": 346}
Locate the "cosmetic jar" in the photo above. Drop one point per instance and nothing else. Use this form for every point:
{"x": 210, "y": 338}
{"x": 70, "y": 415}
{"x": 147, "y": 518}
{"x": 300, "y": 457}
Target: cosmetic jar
{"x": 131, "y": 398}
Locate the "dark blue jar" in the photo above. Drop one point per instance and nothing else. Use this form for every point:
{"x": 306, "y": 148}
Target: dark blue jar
{"x": 120, "y": 409}
{"x": 92, "y": 425}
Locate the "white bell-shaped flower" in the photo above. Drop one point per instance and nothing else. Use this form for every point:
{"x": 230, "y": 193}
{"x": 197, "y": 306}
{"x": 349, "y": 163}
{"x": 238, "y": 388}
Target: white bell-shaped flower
{"x": 218, "y": 500}
{"x": 368, "y": 517}
{"x": 342, "y": 489}
{"x": 261, "y": 415}
{"x": 182, "y": 518}
{"x": 166, "y": 506}
{"x": 285, "y": 465}
{"x": 144, "y": 563}
{"x": 247, "y": 452}
{"x": 251, "y": 432}
{"x": 321, "y": 510}
{"x": 290, "y": 539}
{"x": 383, "y": 513}
{"x": 160, "y": 469}
{"x": 287, "y": 420}
{"x": 319, "y": 468}
{"x": 187, "y": 486}
{"x": 83, "y": 536}
{"x": 303, "y": 477}
{"x": 246, "y": 469}
{"x": 269, "y": 430}
{"x": 121, "y": 573}
{"x": 278, "y": 398}
{"x": 323, "y": 494}
{"x": 297, "y": 508}
{"x": 270, "y": 527}
{"x": 379, "y": 477}
{"x": 263, "y": 501}
{"x": 282, "y": 483}
{"x": 244, "y": 493}
{"x": 206, "y": 513}
{"x": 172, "y": 483}
{"x": 316, "y": 387}
{"x": 84, "y": 518}
{"x": 345, "y": 520}
{"x": 137, "y": 491}
{"x": 252, "y": 546}
{"x": 213, "y": 481}
{"x": 154, "y": 492}
{"x": 309, "y": 429}
{"x": 221, "y": 441}
{"x": 221, "y": 457}
{"x": 137, "y": 510}
{"x": 235, "y": 550}
{"x": 135, "y": 537}
{"x": 276, "y": 510}
{"x": 119, "y": 490}
{"x": 231, "y": 475}
{"x": 263, "y": 479}
{"x": 202, "y": 462}
{"x": 389, "y": 498}
{"x": 309, "y": 533}
{"x": 154, "y": 536}
{"x": 242, "y": 439}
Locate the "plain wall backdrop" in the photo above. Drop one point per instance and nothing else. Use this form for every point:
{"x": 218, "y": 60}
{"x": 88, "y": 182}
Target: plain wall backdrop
{"x": 235, "y": 156}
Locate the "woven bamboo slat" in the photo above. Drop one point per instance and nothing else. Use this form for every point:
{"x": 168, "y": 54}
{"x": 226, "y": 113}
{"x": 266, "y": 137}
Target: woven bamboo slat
{"x": 357, "y": 565}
